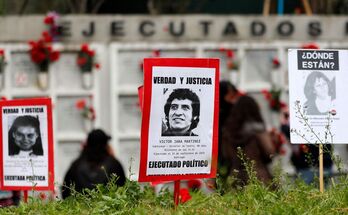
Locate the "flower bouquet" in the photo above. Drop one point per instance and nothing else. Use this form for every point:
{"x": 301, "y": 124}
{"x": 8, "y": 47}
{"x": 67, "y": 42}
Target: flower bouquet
{"x": 86, "y": 61}
{"x": 232, "y": 64}
{"x": 42, "y": 54}
{"x": 87, "y": 112}
{"x": 273, "y": 98}
{"x": 275, "y": 73}
{"x": 2, "y": 66}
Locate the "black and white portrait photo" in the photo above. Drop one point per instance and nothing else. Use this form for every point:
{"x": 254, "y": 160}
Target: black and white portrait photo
{"x": 320, "y": 93}
{"x": 24, "y": 136}
{"x": 182, "y": 110}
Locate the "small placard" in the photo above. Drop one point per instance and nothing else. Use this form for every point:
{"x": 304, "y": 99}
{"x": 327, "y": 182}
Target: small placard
{"x": 180, "y": 119}
{"x": 318, "y": 101}
{"x": 27, "y": 145}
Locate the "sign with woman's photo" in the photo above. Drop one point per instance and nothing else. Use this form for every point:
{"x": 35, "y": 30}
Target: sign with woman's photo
{"x": 26, "y": 151}
{"x": 318, "y": 96}
{"x": 180, "y": 119}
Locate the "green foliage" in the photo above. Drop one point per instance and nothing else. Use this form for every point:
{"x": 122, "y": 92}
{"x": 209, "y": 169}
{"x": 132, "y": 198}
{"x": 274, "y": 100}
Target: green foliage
{"x": 290, "y": 197}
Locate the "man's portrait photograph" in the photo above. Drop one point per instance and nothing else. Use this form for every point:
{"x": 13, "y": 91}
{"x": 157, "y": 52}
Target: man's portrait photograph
{"x": 181, "y": 113}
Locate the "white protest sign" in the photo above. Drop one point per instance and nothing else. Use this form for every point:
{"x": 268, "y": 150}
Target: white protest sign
{"x": 26, "y": 145}
{"x": 318, "y": 95}
{"x": 179, "y": 130}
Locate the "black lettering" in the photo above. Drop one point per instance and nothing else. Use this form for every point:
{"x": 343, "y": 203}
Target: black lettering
{"x": 314, "y": 29}
{"x": 179, "y": 32}
{"x": 285, "y": 28}
{"x": 258, "y": 28}
{"x": 117, "y": 28}
{"x": 230, "y": 29}
{"x": 63, "y": 29}
{"x": 146, "y": 31}
{"x": 205, "y": 25}
{"x": 90, "y": 31}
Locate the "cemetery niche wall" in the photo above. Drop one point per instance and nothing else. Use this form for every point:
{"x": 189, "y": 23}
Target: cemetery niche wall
{"x": 245, "y": 59}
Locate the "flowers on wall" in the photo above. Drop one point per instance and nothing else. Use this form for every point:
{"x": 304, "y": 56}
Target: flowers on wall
{"x": 51, "y": 20}
{"x": 310, "y": 46}
{"x": 232, "y": 63}
{"x": 273, "y": 98}
{"x": 2, "y": 61}
{"x": 275, "y": 63}
{"x": 87, "y": 110}
{"x": 86, "y": 59}
{"x": 42, "y": 53}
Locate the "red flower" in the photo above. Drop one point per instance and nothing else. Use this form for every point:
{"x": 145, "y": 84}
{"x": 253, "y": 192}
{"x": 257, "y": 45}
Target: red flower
{"x": 54, "y": 56}
{"x": 304, "y": 148}
{"x": 92, "y": 113}
{"x": 2, "y": 53}
{"x": 49, "y": 20}
{"x": 84, "y": 47}
{"x": 43, "y": 196}
{"x": 81, "y": 61}
{"x": 310, "y": 46}
{"x": 184, "y": 195}
{"x": 97, "y": 65}
{"x": 194, "y": 184}
{"x": 230, "y": 53}
{"x": 222, "y": 49}
{"x": 46, "y": 37}
{"x": 91, "y": 53}
{"x": 3, "y": 98}
{"x": 275, "y": 63}
{"x": 266, "y": 94}
{"x": 156, "y": 53}
{"x": 80, "y": 104}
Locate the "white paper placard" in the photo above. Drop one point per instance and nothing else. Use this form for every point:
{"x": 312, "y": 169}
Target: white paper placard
{"x": 318, "y": 96}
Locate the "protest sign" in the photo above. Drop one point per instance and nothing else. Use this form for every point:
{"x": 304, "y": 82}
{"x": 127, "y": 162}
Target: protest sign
{"x": 26, "y": 151}
{"x": 318, "y": 101}
{"x": 180, "y": 119}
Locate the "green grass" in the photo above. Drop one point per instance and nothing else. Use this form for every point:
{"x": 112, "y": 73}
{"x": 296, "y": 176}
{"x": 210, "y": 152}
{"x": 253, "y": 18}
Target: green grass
{"x": 291, "y": 197}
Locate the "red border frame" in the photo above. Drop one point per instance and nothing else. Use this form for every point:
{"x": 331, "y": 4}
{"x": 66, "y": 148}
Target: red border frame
{"x": 31, "y": 102}
{"x": 175, "y": 62}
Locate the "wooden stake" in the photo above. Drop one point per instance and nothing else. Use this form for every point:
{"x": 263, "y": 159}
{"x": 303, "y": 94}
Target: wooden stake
{"x": 25, "y": 196}
{"x": 266, "y": 7}
{"x": 307, "y": 7}
{"x": 321, "y": 169}
{"x": 176, "y": 192}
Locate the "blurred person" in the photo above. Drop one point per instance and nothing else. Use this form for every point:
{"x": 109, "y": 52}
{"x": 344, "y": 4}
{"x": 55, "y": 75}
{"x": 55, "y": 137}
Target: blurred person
{"x": 94, "y": 166}
{"x": 24, "y": 136}
{"x": 320, "y": 94}
{"x": 228, "y": 96}
{"x": 182, "y": 111}
{"x": 245, "y": 129}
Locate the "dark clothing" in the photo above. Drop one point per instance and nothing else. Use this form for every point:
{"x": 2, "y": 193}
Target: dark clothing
{"x": 84, "y": 174}
{"x": 308, "y": 156}
{"x": 169, "y": 133}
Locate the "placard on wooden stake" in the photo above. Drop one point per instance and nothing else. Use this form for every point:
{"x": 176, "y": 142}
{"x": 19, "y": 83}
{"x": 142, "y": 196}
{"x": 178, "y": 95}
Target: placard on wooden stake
{"x": 317, "y": 88}
{"x": 177, "y": 146}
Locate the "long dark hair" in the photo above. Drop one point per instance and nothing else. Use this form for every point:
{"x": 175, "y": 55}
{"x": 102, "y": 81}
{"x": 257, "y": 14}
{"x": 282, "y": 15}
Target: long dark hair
{"x": 26, "y": 120}
{"x": 245, "y": 110}
{"x": 96, "y": 149}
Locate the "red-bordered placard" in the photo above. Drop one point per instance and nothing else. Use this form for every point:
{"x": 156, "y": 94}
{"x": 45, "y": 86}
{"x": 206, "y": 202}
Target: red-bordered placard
{"x": 179, "y": 135}
{"x": 26, "y": 150}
